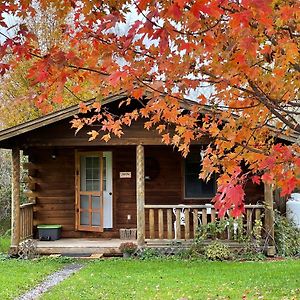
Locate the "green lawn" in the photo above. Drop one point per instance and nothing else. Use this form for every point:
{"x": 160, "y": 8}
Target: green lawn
{"x": 170, "y": 279}
{"x": 4, "y": 235}
{"x": 4, "y": 244}
{"x": 18, "y": 276}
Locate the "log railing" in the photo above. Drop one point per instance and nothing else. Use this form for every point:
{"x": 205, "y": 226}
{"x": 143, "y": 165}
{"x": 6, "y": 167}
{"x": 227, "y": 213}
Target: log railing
{"x": 26, "y": 221}
{"x": 182, "y": 221}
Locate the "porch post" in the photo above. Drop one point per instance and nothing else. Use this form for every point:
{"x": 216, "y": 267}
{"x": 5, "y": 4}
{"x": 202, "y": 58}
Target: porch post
{"x": 15, "y": 200}
{"x": 140, "y": 194}
{"x": 269, "y": 218}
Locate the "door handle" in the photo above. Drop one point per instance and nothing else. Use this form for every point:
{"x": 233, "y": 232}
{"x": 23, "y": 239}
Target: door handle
{"x": 110, "y": 193}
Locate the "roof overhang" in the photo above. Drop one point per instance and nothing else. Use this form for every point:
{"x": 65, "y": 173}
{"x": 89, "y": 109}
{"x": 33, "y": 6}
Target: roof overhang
{"x": 69, "y": 112}
{"x": 51, "y": 118}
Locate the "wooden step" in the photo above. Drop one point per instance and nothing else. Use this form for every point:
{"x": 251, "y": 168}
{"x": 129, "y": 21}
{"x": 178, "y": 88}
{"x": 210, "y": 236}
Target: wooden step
{"x": 80, "y": 246}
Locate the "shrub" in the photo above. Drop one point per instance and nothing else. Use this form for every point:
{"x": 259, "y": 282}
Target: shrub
{"x": 217, "y": 251}
{"x": 287, "y": 236}
{"x": 128, "y": 247}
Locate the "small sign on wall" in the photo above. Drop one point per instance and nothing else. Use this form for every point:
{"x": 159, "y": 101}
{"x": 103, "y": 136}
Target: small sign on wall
{"x": 125, "y": 174}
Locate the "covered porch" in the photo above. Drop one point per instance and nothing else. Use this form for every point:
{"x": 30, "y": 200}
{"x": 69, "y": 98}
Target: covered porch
{"x": 156, "y": 224}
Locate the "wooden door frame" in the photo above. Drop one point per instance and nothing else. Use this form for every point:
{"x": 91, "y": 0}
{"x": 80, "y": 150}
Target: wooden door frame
{"x": 78, "y": 227}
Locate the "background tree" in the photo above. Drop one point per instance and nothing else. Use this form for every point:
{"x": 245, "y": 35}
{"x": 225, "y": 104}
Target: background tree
{"x": 233, "y": 64}
{"x": 19, "y": 93}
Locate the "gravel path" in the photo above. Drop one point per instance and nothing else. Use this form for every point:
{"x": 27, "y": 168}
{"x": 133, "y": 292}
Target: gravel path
{"x": 50, "y": 281}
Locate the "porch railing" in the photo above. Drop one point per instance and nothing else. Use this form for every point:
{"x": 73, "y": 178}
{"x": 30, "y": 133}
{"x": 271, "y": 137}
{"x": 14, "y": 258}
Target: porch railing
{"x": 182, "y": 221}
{"x": 26, "y": 221}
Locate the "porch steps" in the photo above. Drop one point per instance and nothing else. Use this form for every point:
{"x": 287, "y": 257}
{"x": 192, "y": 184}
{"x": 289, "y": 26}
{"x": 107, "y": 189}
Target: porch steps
{"x": 84, "y": 246}
{"x": 79, "y": 256}
{"x": 78, "y": 251}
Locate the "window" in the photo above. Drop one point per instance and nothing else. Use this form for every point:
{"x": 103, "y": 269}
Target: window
{"x": 195, "y": 187}
{"x": 90, "y": 173}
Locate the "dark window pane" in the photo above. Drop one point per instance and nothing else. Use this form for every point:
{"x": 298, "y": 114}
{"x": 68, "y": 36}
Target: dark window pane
{"x": 89, "y": 185}
{"x": 89, "y": 162}
{"x": 96, "y": 173}
{"x": 96, "y": 162}
{"x": 195, "y": 187}
{"x": 89, "y": 174}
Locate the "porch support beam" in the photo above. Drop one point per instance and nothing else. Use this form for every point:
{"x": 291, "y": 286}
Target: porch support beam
{"x": 140, "y": 194}
{"x": 15, "y": 200}
{"x": 269, "y": 218}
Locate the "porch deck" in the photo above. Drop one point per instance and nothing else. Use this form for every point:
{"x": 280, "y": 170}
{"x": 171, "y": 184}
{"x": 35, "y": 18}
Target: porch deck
{"x": 108, "y": 247}
{"x": 80, "y": 246}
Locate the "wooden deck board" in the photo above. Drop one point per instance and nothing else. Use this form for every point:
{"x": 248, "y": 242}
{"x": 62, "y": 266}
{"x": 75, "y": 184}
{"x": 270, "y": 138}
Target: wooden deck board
{"x": 80, "y": 245}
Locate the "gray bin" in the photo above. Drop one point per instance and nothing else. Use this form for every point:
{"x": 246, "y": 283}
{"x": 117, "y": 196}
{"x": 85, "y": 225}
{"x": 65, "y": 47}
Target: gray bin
{"x": 49, "y": 232}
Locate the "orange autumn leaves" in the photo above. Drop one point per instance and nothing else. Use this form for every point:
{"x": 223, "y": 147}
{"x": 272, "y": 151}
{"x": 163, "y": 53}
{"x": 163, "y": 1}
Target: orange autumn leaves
{"x": 241, "y": 56}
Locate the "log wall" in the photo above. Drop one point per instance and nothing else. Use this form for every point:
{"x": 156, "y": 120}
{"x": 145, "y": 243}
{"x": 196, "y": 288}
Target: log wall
{"x": 55, "y": 186}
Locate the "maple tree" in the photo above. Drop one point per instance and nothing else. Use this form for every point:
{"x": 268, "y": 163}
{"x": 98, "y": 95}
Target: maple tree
{"x": 227, "y": 69}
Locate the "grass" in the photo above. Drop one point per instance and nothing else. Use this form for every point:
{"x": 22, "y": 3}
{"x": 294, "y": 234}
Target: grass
{"x": 4, "y": 243}
{"x": 4, "y": 235}
{"x": 18, "y": 276}
{"x": 4, "y": 225}
{"x": 174, "y": 279}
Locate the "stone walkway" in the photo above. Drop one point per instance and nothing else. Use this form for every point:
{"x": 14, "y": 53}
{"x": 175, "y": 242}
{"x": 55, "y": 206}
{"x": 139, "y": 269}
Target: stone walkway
{"x": 50, "y": 281}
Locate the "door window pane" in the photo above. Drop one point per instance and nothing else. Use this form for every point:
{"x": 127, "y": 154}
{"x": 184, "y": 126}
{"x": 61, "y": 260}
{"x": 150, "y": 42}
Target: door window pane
{"x": 96, "y": 219}
{"x": 84, "y": 218}
{"x": 90, "y": 173}
{"x": 95, "y": 173}
{"x": 89, "y": 185}
{"x": 95, "y": 202}
{"x": 96, "y": 185}
{"x": 84, "y": 201}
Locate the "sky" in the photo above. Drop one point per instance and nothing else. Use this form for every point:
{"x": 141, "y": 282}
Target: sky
{"x": 11, "y": 21}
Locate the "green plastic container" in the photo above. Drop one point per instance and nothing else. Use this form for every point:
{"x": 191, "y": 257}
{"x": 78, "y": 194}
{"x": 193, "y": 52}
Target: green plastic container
{"x": 49, "y": 232}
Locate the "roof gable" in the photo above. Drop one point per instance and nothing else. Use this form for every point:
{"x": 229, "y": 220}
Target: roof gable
{"x": 51, "y": 118}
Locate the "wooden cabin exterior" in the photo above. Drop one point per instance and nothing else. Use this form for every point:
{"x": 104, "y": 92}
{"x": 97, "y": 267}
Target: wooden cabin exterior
{"x": 94, "y": 189}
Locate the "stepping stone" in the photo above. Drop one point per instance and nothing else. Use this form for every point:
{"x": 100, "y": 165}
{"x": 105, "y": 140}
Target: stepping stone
{"x": 96, "y": 256}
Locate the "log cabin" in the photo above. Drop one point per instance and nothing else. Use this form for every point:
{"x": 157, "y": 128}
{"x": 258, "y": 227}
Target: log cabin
{"x": 100, "y": 190}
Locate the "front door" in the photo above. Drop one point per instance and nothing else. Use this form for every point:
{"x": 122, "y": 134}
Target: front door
{"x": 93, "y": 191}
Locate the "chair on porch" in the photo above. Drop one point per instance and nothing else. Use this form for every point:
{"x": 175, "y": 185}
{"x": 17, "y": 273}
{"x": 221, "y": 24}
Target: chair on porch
{"x": 182, "y": 219}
